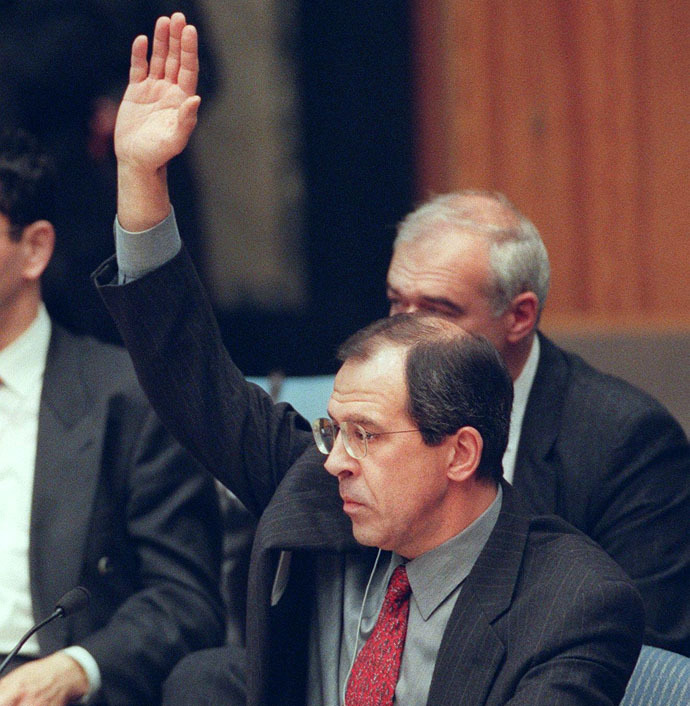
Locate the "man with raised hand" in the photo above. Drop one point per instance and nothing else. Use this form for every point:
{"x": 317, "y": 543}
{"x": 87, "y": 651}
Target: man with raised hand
{"x": 406, "y": 569}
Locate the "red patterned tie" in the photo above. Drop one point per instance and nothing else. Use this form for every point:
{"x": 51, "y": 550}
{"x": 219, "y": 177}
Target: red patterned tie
{"x": 375, "y": 671}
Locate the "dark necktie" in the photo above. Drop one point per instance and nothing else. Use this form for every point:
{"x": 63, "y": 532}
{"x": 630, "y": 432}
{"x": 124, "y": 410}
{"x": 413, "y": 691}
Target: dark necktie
{"x": 375, "y": 671}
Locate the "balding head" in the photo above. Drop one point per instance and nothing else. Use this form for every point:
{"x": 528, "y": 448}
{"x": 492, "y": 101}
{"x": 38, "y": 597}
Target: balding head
{"x": 454, "y": 379}
{"x": 517, "y": 258}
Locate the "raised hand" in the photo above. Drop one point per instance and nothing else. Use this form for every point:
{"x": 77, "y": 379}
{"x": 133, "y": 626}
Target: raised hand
{"x": 159, "y": 108}
{"x": 156, "y": 117}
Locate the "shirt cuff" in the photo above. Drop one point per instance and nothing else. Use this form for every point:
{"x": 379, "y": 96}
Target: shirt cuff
{"x": 145, "y": 251}
{"x": 89, "y": 665}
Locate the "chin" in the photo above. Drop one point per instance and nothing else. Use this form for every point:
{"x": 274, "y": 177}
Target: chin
{"x": 365, "y": 537}
{"x": 370, "y": 538}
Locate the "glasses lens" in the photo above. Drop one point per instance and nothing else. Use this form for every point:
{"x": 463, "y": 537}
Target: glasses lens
{"x": 355, "y": 439}
{"x": 324, "y": 434}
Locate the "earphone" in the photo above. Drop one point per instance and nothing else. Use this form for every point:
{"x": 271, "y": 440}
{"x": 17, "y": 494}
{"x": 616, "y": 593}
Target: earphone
{"x": 359, "y": 623}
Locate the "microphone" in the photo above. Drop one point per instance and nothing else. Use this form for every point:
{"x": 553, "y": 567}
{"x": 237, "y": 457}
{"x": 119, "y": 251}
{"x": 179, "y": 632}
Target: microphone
{"x": 72, "y": 602}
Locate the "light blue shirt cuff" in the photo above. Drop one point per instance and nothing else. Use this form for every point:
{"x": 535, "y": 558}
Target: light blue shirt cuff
{"x": 89, "y": 665}
{"x": 140, "y": 253}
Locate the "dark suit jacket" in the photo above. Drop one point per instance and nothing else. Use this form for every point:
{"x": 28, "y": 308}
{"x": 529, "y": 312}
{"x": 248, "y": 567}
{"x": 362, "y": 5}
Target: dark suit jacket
{"x": 119, "y": 508}
{"x": 545, "y": 616}
{"x": 613, "y": 462}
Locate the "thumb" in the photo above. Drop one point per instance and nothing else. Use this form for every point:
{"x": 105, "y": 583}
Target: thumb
{"x": 187, "y": 113}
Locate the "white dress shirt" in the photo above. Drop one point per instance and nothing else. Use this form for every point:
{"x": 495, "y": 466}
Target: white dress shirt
{"x": 21, "y": 370}
{"x": 521, "y": 389}
{"x": 22, "y": 365}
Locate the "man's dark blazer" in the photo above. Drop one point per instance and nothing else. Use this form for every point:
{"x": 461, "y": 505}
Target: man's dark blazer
{"x": 120, "y": 508}
{"x": 612, "y": 461}
{"x": 545, "y": 616}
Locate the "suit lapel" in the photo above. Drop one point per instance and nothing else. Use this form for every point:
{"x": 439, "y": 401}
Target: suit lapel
{"x": 69, "y": 443}
{"x": 535, "y": 467}
{"x": 471, "y": 652}
{"x": 305, "y": 514}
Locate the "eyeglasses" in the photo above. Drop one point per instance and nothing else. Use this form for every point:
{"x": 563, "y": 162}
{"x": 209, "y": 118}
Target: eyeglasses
{"x": 355, "y": 437}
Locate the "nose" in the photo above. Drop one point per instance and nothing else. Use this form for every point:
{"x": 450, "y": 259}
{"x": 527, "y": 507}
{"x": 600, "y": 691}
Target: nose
{"x": 339, "y": 460}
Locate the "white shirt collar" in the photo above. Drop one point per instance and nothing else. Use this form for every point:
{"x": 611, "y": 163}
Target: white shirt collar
{"x": 522, "y": 386}
{"x": 22, "y": 362}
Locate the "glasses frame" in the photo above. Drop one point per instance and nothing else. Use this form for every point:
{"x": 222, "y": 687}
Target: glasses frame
{"x": 347, "y": 428}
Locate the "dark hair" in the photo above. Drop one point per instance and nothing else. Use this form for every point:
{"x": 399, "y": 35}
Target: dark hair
{"x": 27, "y": 181}
{"x": 454, "y": 379}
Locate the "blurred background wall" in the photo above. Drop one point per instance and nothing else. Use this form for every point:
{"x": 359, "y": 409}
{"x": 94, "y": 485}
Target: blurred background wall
{"x": 306, "y": 164}
{"x": 580, "y": 112}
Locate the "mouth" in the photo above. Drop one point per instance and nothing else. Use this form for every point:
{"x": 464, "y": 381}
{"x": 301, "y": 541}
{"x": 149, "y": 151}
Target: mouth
{"x": 350, "y": 505}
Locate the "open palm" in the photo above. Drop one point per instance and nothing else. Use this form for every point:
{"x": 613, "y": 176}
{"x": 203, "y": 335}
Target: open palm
{"x": 158, "y": 110}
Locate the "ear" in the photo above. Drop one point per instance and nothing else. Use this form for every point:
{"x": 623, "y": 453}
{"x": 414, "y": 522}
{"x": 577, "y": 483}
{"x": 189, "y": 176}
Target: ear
{"x": 38, "y": 242}
{"x": 522, "y": 316}
{"x": 466, "y": 452}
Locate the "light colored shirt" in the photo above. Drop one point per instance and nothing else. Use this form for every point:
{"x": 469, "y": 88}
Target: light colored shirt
{"x": 521, "y": 389}
{"x": 140, "y": 253}
{"x": 346, "y": 612}
{"x": 22, "y": 365}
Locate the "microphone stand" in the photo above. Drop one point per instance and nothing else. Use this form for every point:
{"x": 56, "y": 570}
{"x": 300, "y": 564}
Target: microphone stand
{"x": 73, "y": 601}
{"x": 55, "y": 614}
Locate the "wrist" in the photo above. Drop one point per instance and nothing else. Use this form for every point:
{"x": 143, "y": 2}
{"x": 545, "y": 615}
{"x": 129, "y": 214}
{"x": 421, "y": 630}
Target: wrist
{"x": 73, "y": 676}
{"x": 88, "y": 668}
{"x": 142, "y": 197}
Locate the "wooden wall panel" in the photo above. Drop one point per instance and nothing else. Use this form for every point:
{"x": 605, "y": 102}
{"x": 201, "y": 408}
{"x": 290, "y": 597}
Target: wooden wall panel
{"x": 580, "y": 113}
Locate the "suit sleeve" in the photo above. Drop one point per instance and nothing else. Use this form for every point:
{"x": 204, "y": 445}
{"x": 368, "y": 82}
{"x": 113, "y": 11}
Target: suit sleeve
{"x": 587, "y": 651}
{"x": 613, "y": 462}
{"x": 231, "y": 426}
{"x": 640, "y": 514}
{"x": 162, "y": 565}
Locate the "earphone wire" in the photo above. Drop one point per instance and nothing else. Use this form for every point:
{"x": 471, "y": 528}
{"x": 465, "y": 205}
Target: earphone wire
{"x": 359, "y": 622}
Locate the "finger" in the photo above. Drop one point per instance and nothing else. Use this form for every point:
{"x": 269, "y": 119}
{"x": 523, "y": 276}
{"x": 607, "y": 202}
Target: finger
{"x": 189, "y": 60}
{"x": 187, "y": 114}
{"x": 159, "y": 53}
{"x": 172, "y": 62}
{"x": 139, "y": 67}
